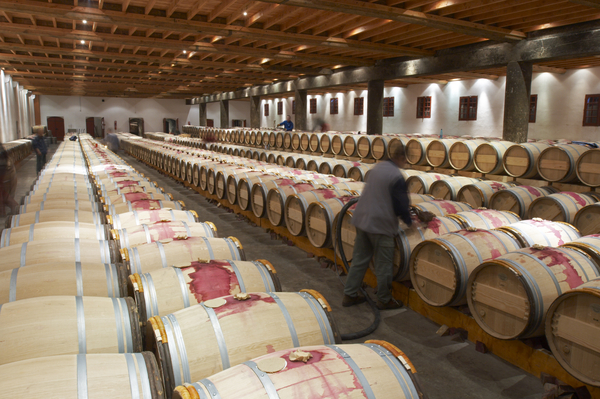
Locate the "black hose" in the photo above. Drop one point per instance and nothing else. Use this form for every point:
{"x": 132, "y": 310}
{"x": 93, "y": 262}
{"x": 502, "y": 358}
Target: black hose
{"x": 338, "y": 243}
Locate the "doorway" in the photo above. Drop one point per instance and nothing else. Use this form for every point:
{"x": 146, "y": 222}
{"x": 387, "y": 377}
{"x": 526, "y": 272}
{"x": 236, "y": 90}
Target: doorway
{"x": 95, "y": 126}
{"x": 56, "y": 124}
{"x": 170, "y": 125}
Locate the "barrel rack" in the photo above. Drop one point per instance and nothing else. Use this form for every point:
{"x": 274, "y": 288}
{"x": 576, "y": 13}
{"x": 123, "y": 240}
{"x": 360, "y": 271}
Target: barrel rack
{"x": 519, "y": 353}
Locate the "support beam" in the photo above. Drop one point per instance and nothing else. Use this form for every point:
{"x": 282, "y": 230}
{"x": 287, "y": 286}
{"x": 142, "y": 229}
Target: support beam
{"x": 202, "y": 114}
{"x": 224, "y": 113}
{"x": 255, "y": 111}
{"x": 375, "y": 107}
{"x": 301, "y": 99}
{"x": 516, "y": 101}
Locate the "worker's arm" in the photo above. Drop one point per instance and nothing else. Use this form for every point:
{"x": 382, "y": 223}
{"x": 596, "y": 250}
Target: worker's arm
{"x": 401, "y": 201}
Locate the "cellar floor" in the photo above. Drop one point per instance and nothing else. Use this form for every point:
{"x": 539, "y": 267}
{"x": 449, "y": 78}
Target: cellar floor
{"x": 448, "y": 367}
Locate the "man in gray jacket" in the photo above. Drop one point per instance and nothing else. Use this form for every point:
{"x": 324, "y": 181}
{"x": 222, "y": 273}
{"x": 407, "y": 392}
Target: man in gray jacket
{"x": 382, "y": 202}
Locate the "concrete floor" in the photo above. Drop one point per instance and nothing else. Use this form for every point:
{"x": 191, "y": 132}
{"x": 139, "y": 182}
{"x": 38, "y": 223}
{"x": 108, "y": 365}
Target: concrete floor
{"x": 447, "y": 367}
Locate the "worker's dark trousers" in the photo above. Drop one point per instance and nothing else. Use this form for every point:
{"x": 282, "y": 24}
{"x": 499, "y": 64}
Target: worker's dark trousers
{"x": 368, "y": 246}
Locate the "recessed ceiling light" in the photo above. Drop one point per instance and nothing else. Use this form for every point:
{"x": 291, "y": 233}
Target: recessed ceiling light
{"x": 84, "y": 21}
{"x": 245, "y": 13}
{"x": 184, "y": 51}
{"x": 83, "y": 42}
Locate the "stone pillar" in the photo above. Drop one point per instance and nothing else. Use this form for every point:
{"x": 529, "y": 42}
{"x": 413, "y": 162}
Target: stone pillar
{"x": 301, "y": 98}
{"x": 224, "y": 113}
{"x": 255, "y": 111}
{"x": 516, "y": 101}
{"x": 202, "y": 114}
{"x": 375, "y": 107}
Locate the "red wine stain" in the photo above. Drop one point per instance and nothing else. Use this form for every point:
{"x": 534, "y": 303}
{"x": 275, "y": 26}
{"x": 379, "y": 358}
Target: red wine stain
{"x": 551, "y": 228}
{"x": 125, "y": 183}
{"x": 118, "y": 174}
{"x": 448, "y": 206}
{"x": 213, "y": 279}
{"x": 434, "y": 225}
{"x": 270, "y": 349}
{"x": 492, "y": 217}
{"x": 485, "y": 238}
{"x": 145, "y": 204}
{"x": 497, "y": 186}
{"x": 137, "y": 196}
{"x": 554, "y": 257}
{"x": 576, "y": 197}
{"x": 532, "y": 190}
{"x": 234, "y": 307}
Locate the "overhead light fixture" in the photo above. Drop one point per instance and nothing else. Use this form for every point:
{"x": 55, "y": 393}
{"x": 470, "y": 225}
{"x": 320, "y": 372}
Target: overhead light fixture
{"x": 245, "y": 13}
{"x": 83, "y": 42}
{"x": 84, "y": 21}
{"x": 184, "y": 51}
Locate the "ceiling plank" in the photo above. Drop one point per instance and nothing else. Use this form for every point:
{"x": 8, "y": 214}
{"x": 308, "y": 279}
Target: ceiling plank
{"x": 408, "y": 16}
{"x": 223, "y": 5}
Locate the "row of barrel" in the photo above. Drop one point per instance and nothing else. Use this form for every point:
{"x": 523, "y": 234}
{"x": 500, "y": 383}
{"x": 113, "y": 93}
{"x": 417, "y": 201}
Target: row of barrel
{"x": 101, "y": 264}
{"x": 564, "y": 161}
{"x": 16, "y": 150}
{"x": 489, "y": 259}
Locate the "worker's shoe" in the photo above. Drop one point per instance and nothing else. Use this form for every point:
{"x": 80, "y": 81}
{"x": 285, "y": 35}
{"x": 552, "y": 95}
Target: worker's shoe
{"x": 392, "y": 304}
{"x": 353, "y": 300}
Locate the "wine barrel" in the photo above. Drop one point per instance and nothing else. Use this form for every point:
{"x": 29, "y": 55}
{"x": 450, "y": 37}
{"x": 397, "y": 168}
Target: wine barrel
{"x": 510, "y": 295}
{"x": 54, "y": 215}
{"x": 304, "y": 141}
{"x": 144, "y": 205}
{"x": 415, "y": 150}
{"x": 485, "y": 218}
{"x": 149, "y": 233}
{"x": 419, "y": 183}
{"x": 449, "y": 187}
{"x": 276, "y": 199}
{"x": 478, "y": 194}
{"x": 377, "y": 369}
{"x": 488, "y": 157}
{"x": 410, "y": 238}
{"x": 89, "y": 279}
{"x": 461, "y": 154}
{"x": 58, "y": 250}
{"x": 379, "y": 146}
{"x": 246, "y": 185}
{"x": 394, "y": 142}
{"x": 136, "y": 218}
{"x": 558, "y": 163}
{"x": 442, "y": 207}
{"x": 315, "y": 142}
{"x": 541, "y": 232}
{"x": 115, "y": 376}
{"x": 319, "y": 220}
{"x": 84, "y": 206}
{"x": 194, "y": 343}
{"x": 84, "y": 325}
{"x": 296, "y": 205}
{"x": 363, "y": 146}
{"x": 360, "y": 172}
{"x": 569, "y": 322}
{"x": 233, "y": 182}
{"x": 168, "y": 290}
{"x": 587, "y": 168}
{"x": 518, "y": 199}
{"x": 589, "y": 244}
{"x": 350, "y": 145}
{"x": 520, "y": 160}
{"x": 436, "y": 152}
{"x": 180, "y": 253}
{"x": 560, "y": 207}
{"x": 132, "y": 197}
{"x": 587, "y": 219}
{"x": 50, "y": 230}
{"x": 440, "y": 267}
{"x": 337, "y": 143}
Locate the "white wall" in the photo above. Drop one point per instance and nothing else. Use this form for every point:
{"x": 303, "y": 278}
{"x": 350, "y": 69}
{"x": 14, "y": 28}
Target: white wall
{"x": 559, "y": 115}
{"x": 75, "y": 110}
{"x": 16, "y": 110}
{"x": 239, "y": 110}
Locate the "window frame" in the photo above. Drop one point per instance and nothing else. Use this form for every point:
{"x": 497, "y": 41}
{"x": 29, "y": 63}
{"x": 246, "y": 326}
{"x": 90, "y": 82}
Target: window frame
{"x": 280, "y": 108}
{"x": 469, "y": 101}
{"x": 585, "y": 110}
{"x": 424, "y": 105}
{"x": 333, "y": 106}
{"x": 266, "y": 110}
{"x": 532, "y": 108}
{"x": 388, "y": 107}
{"x": 359, "y": 106}
{"x": 313, "y": 105}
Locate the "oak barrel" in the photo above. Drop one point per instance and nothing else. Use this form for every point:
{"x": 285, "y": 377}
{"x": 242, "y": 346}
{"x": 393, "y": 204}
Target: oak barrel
{"x": 394, "y": 142}
{"x": 461, "y": 154}
{"x": 485, "y": 218}
{"x": 164, "y": 291}
{"x": 319, "y": 220}
{"x": 437, "y": 152}
{"x": 62, "y": 325}
{"x": 199, "y": 341}
{"x": 442, "y": 207}
{"x": 542, "y": 232}
{"x": 518, "y": 199}
{"x": 587, "y": 168}
{"x": 560, "y": 207}
{"x": 419, "y": 183}
{"x": 51, "y": 230}
{"x": 448, "y": 187}
{"x": 520, "y": 160}
{"x": 375, "y": 369}
{"x": 136, "y": 218}
{"x": 179, "y": 253}
{"x": 589, "y": 244}
{"x": 510, "y": 295}
{"x": 148, "y": 233}
{"x": 587, "y": 219}
{"x": 144, "y": 205}
{"x": 478, "y": 194}
{"x": 54, "y": 215}
{"x": 296, "y": 205}
{"x": 415, "y": 150}
{"x": 558, "y": 163}
{"x": 488, "y": 157}
{"x": 276, "y": 198}
{"x": 572, "y": 330}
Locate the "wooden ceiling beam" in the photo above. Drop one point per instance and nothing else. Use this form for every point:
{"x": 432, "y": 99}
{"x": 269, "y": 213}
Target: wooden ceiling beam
{"x": 222, "y": 6}
{"x": 407, "y": 16}
{"x": 542, "y": 13}
{"x": 438, "y": 5}
{"x": 194, "y": 27}
{"x": 149, "y": 6}
{"x": 261, "y": 14}
{"x": 196, "y": 9}
{"x": 172, "y": 8}
{"x": 587, "y": 3}
{"x": 543, "y": 68}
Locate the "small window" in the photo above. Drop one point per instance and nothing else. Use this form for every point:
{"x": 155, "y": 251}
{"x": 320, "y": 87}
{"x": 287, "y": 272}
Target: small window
{"x": 359, "y": 105}
{"x": 424, "y": 107}
{"x": 532, "y": 108}
{"x": 468, "y": 109}
{"x": 388, "y": 106}
{"x": 313, "y": 105}
{"x": 590, "y": 110}
{"x": 266, "y": 109}
{"x": 293, "y": 106}
{"x": 333, "y": 106}
{"x": 280, "y": 108}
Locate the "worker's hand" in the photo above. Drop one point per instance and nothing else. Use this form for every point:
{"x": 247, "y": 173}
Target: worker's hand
{"x": 424, "y": 216}
{"x": 38, "y": 151}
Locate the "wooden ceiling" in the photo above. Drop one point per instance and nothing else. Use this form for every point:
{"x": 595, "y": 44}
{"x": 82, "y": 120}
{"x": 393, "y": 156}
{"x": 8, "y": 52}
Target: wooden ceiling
{"x": 190, "y": 48}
